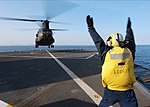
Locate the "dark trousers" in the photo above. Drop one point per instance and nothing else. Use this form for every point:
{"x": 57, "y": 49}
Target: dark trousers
{"x": 124, "y": 98}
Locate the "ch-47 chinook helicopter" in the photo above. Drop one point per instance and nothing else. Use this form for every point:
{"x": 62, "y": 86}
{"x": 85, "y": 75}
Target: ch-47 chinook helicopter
{"x": 44, "y": 36}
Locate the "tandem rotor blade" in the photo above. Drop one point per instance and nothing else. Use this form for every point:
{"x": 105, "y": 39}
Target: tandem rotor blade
{"x": 28, "y": 20}
{"x": 19, "y": 19}
{"x": 56, "y": 8}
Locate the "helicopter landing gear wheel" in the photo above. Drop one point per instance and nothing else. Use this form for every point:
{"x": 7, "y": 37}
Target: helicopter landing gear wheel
{"x": 36, "y": 46}
{"x": 52, "y": 46}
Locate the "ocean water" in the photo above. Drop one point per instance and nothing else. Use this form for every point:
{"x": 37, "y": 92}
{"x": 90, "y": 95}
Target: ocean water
{"x": 142, "y": 56}
{"x": 28, "y": 48}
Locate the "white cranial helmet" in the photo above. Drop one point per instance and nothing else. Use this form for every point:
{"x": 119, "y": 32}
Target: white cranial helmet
{"x": 114, "y": 39}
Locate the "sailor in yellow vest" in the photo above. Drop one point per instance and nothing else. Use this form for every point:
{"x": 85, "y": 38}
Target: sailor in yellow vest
{"x": 117, "y": 61}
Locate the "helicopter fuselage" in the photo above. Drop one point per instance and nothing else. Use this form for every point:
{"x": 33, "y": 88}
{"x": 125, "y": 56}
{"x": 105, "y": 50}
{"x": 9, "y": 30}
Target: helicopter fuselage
{"x": 44, "y": 38}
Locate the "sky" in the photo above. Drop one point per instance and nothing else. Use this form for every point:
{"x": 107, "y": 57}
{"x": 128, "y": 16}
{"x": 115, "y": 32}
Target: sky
{"x": 110, "y": 16}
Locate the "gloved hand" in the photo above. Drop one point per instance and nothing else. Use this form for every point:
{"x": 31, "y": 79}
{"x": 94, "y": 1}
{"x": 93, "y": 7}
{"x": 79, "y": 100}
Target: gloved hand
{"x": 129, "y": 23}
{"x": 89, "y": 21}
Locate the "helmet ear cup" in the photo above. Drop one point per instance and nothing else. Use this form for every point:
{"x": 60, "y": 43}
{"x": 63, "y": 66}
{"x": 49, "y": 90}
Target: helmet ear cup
{"x": 109, "y": 43}
{"x": 119, "y": 37}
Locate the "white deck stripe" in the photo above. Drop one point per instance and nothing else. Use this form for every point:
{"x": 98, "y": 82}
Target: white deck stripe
{"x": 90, "y": 56}
{"x": 88, "y": 90}
{"x": 3, "y": 104}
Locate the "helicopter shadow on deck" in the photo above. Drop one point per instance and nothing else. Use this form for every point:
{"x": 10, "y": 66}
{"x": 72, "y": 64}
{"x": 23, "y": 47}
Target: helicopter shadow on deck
{"x": 22, "y": 73}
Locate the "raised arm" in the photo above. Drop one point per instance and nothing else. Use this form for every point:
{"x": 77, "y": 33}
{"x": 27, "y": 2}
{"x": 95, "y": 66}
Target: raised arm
{"x": 99, "y": 42}
{"x": 130, "y": 39}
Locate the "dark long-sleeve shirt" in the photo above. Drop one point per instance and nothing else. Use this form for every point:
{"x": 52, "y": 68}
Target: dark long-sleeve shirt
{"x": 103, "y": 48}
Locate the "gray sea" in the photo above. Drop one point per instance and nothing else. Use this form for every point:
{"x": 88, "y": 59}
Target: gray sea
{"x": 142, "y": 58}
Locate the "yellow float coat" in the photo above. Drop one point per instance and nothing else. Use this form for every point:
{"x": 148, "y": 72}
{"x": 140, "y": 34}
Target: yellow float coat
{"x": 118, "y": 69}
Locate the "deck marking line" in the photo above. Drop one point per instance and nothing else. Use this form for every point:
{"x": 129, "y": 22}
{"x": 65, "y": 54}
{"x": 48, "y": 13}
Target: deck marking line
{"x": 90, "y": 56}
{"x": 4, "y": 104}
{"x": 88, "y": 90}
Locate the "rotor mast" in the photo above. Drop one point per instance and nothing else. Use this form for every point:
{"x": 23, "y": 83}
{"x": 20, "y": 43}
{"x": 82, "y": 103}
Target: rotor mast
{"x": 45, "y": 24}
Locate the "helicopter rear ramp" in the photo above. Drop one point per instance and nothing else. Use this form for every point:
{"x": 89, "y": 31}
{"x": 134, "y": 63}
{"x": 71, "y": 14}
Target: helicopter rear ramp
{"x": 44, "y": 78}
